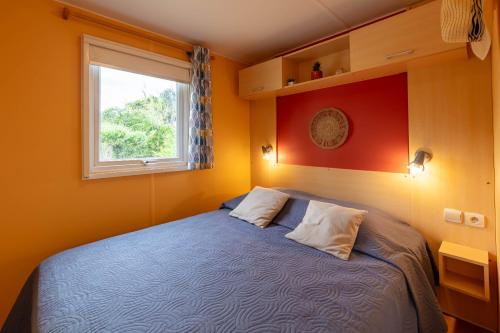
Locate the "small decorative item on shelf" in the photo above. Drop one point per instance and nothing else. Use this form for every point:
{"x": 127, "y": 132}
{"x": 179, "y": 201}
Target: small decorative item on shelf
{"x": 316, "y": 71}
{"x": 339, "y": 71}
{"x": 290, "y": 82}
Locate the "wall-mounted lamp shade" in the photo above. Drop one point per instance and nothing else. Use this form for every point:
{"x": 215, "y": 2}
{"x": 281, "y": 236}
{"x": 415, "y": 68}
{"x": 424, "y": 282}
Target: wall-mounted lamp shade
{"x": 267, "y": 152}
{"x": 417, "y": 166}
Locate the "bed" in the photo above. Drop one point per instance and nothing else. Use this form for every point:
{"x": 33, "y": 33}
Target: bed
{"x": 215, "y": 273}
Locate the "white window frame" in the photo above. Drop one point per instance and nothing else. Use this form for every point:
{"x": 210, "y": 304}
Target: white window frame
{"x": 93, "y": 168}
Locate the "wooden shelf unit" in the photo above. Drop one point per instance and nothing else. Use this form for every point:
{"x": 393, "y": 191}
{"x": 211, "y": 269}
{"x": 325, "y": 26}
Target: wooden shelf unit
{"x": 464, "y": 269}
{"x": 361, "y": 75}
{"x": 333, "y": 54}
{"x": 379, "y": 49}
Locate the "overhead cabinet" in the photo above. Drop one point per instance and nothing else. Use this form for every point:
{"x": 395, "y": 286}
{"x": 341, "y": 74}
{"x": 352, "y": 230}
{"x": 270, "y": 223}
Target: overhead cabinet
{"x": 261, "y": 78}
{"x": 379, "y": 49}
{"x": 409, "y": 35}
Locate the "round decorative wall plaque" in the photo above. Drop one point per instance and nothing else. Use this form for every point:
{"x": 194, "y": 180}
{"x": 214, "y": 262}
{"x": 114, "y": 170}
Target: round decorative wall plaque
{"x": 329, "y": 128}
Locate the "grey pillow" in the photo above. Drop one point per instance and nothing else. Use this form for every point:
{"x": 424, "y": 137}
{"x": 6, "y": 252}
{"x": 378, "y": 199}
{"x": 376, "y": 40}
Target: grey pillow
{"x": 328, "y": 227}
{"x": 260, "y": 206}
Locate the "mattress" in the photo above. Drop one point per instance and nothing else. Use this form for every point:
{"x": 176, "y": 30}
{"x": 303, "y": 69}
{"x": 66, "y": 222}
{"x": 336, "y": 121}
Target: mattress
{"x": 215, "y": 273}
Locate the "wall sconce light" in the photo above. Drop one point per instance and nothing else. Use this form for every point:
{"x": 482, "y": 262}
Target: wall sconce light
{"x": 267, "y": 152}
{"x": 417, "y": 165}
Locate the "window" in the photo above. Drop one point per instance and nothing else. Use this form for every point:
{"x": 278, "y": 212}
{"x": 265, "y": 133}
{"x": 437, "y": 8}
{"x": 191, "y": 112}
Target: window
{"x": 135, "y": 111}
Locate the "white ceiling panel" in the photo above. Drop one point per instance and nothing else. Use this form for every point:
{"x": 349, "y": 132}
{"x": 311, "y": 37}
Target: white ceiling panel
{"x": 355, "y": 12}
{"x": 247, "y": 31}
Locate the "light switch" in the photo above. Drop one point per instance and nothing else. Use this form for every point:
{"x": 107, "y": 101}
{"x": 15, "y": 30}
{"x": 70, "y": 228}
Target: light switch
{"x": 474, "y": 219}
{"x": 452, "y": 215}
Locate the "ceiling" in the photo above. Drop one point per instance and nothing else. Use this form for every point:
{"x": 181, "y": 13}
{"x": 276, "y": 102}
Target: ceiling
{"x": 247, "y": 31}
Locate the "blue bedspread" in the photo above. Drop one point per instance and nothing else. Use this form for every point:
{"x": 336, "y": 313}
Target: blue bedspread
{"x": 214, "y": 273}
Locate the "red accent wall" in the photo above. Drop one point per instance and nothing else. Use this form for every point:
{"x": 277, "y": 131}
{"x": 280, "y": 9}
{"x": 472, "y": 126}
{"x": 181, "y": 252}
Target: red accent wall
{"x": 378, "y": 126}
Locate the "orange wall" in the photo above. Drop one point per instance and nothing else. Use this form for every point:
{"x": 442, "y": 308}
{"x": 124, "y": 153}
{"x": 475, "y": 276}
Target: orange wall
{"x": 45, "y": 206}
{"x": 495, "y": 56}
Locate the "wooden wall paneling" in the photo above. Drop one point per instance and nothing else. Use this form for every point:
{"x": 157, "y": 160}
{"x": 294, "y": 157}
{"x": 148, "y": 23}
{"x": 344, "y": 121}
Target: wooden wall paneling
{"x": 450, "y": 113}
{"x": 495, "y": 55}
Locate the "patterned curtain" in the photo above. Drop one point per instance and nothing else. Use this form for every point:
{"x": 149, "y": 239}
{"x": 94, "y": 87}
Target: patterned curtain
{"x": 200, "y": 119}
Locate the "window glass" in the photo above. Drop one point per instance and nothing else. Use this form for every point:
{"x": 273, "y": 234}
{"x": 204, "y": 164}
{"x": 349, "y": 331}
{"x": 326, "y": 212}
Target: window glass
{"x": 138, "y": 116}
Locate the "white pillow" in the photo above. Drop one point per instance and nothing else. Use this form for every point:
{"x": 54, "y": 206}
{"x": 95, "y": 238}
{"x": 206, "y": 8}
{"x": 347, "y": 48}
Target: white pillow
{"x": 260, "y": 206}
{"x": 329, "y": 228}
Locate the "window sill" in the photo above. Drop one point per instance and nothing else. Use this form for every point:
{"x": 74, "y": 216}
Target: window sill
{"x": 134, "y": 171}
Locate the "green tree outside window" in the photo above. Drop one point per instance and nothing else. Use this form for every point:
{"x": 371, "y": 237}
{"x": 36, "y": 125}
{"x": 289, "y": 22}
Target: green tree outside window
{"x": 142, "y": 128}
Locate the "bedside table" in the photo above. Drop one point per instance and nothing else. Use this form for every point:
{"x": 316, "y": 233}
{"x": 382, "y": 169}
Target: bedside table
{"x": 464, "y": 269}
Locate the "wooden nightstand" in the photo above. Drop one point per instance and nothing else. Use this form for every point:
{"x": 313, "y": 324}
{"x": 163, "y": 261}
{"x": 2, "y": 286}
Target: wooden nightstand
{"x": 464, "y": 269}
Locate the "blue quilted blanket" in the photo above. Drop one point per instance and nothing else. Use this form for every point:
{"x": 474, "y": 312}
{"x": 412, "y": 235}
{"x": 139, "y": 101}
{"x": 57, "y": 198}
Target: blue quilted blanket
{"x": 214, "y": 273}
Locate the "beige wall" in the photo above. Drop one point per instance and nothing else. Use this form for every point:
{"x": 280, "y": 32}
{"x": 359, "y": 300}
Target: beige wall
{"x": 450, "y": 112}
{"x": 45, "y": 205}
{"x": 495, "y": 32}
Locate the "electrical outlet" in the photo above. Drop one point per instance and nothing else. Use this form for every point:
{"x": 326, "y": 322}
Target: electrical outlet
{"x": 452, "y": 215}
{"x": 474, "y": 219}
